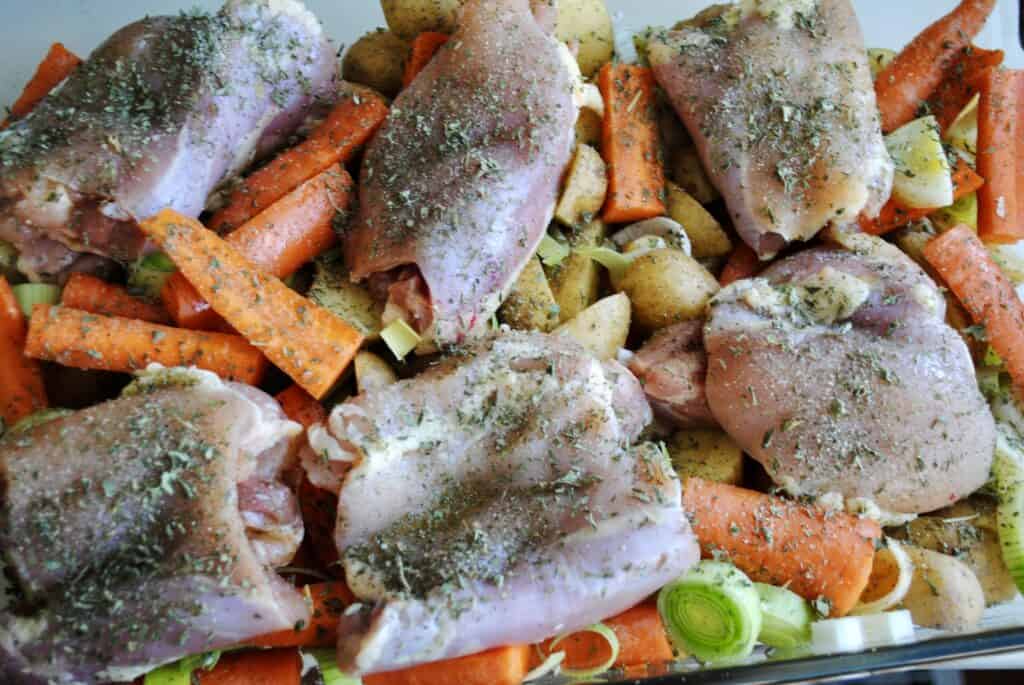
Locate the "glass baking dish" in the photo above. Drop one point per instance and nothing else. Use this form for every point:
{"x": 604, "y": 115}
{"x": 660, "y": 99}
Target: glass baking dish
{"x": 885, "y": 23}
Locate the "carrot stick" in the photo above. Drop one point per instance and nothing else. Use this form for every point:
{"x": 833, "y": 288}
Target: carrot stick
{"x": 55, "y": 67}
{"x": 742, "y": 263}
{"x": 96, "y": 296}
{"x": 985, "y": 292}
{"x": 300, "y": 407}
{"x": 279, "y": 240}
{"x": 327, "y": 603}
{"x": 815, "y": 553}
{"x": 259, "y": 667}
{"x": 917, "y": 71}
{"x": 351, "y": 123}
{"x": 642, "y": 640}
{"x": 1000, "y": 160}
{"x": 91, "y": 341}
{"x": 893, "y": 215}
{"x": 630, "y": 145}
{"x": 499, "y": 666}
{"x": 961, "y": 81}
{"x": 424, "y": 47}
{"x": 304, "y": 340}
{"x": 21, "y": 382}
{"x": 319, "y": 514}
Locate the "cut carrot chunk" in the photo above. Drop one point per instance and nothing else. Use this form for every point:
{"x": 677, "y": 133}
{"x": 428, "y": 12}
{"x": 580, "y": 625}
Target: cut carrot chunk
{"x": 303, "y": 339}
{"x": 424, "y": 47}
{"x": 819, "y": 555}
{"x": 300, "y": 407}
{"x": 328, "y": 602}
{"x": 270, "y": 667}
{"x": 1001, "y": 157}
{"x": 630, "y": 145}
{"x": 500, "y": 666}
{"x": 12, "y": 320}
{"x": 962, "y": 81}
{"x": 91, "y": 341}
{"x": 742, "y": 263}
{"x": 21, "y": 382}
{"x": 96, "y": 296}
{"x": 55, "y": 67}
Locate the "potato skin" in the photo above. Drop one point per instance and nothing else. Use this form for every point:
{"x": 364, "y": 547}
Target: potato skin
{"x": 601, "y": 328}
{"x": 589, "y": 23}
{"x": 377, "y": 60}
{"x": 667, "y": 286}
{"x": 530, "y": 305}
{"x": 707, "y": 453}
{"x": 409, "y": 18}
{"x": 944, "y": 593}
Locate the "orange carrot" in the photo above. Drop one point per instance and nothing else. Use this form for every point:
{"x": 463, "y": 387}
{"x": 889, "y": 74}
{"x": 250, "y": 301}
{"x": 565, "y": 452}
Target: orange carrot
{"x": 279, "y": 240}
{"x": 500, "y": 666}
{"x": 319, "y": 514}
{"x": 629, "y": 143}
{"x": 259, "y": 667}
{"x": 91, "y": 341}
{"x": 55, "y": 67}
{"x": 1001, "y": 157}
{"x": 96, "y": 296}
{"x": 893, "y": 215}
{"x": 918, "y": 70}
{"x": 961, "y": 81}
{"x": 815, "y": 553}
{"x": 351, "y": 123}
{"x": 985, "y": 292}
{"x": 424, "y": 47}
{"x": 21, "y": 382}
{"x": 742, "y": 263}
{"x": 303, "y": 339}
{"x": 642, "y": 640}
{"x": 327, "y": 603}
{"x": 300, "y": 407}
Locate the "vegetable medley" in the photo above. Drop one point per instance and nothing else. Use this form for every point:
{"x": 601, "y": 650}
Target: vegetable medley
{"x": 495, "y": 355}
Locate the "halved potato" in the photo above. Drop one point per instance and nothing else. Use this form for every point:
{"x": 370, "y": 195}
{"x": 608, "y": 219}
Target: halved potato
{"x": 666, "y": 287}
{"x": 601, "y": 328}
{"x": 377, "y": 60}
{"x": 409, "y": 18}
{"x": 588, "y": 23}
{"x": 944, "y": 593}
{"x": 707, "y": 237}
{"x": 923, "y": 177}
{"x": 576, "y": 281}
{"x": 530, "y": 305}
{"x": 585, "y": 187}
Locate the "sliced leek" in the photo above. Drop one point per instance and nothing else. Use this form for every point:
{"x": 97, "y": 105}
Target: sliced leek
{"x": 713, "y": 612}
{"x": 400, "y": 338}
{"x": 327, "y": 661}
{"x": 180, "y": 672}
{"x": 615, "y": 262}
{"x": 963, "y": 211}
{"x": 148, "y": 275}
{"x": 785, "y": 617}
{"x": 552, "y": 252}
{"x": 1008, "y": 469}
{"x": 923, "y": 177}
{"x": 31, "y": 294}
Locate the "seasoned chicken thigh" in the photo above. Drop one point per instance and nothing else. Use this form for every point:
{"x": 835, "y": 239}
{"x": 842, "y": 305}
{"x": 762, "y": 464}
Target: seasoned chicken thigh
{"x": 501, "y": 484}
{"x": 160, "y": 114}
{"x": 836, "y": 370}
{"x": 778, "y": 97}
{"x": 146, "y": 529}
{"x": 462, "y": 179}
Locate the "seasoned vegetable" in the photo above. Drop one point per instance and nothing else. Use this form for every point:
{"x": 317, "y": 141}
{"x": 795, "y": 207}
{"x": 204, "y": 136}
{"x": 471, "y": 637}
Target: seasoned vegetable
{"x": 944, "y": 593}
{"x": 55, "y": 67}
{"x": 29, "y": 295}
{"x": 588, "y": 128}
{"x": 21, "y": 384}
{"x": 785, "y": 617}
{"x": 713, "y": 612}
{"x": 499, "y": 666}
{"x": 92, "y": 294}
{"x": 1008, "y": 470}
{"x": 707, "y": 237}
{"x": 409, "y": 18}
{"x": 601, "y": 328}
{"x": 327, "y": 602}
{"x": 665, "y": 287}
{"x": 587, "y": 23}
{"x": 963, "y": 80}
{"x": 424, "y": 47}
{"x": 1000, "y": 154}
{"x": 377, "y": 60}
{"x": 879, "y": 59}
{"x": 299, "y": 406}
{"x": 707, "y": 453}
{"x": 743, "y": 263}
{"x": 333, "y": 290}
{"x": 585, "y": 188}
{"x": 923, "y": 178}
{"x": 686, "y": 169}
{"x": 400, "y": 337}
{"x": 530, "y": 305}
{"x": 575, "y": 282}
{"x": 372, "y": 372}
{"x": 147, "y": 276}
{"x": 272, "y": 667}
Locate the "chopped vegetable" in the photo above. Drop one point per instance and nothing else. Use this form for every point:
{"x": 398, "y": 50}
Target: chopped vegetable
{"x": 22, "y": 392}
{"x": 743, "y": 263}
{"x": 55, "y": 67}
{"x": 351, "y": 123}
{"x": 304, "y": 340}
{"x": 962, "y": 82}
{"x": 279, "y": 240}
{"x": 269, "y": 667}
{"x": 400, "y": 338}
{"x": 785, "y": 617}
{"x": 31, "y": 294}
{"x": 300, "y": 407}
{"x": 424, "y": 47}
{"x": 923, "y": 178}
{"x": 499, "y": 666}
{"x": 823, "y": 556}
{"x": 918, "y": 70}
{"x": 891, "y": 575}
{"x": 944, "y": 593}
{"x": 713, "y": 612}
{"x": 962, "y": 134}
{"x": 856, "y": 633}
{"x": 987, "y": 294}
{"x": 707, "y": 453}
{"x": 879, "y": 59}
{"x": 608, "y": 636}
{"x": 1008, "y": 470}
{"x": 586, "y": 186}
{"x": 630, "y": 145}
{"x": 328, "y": 602}
{"x": 895, "y": 214}
{"x": 551, "y": 251}
{"x": 180, "y": 672}
{"x": 95, "y": 295}
{"x": 327, "y": 661}
{"x": 576, "y": 282}
{"x": 1001, "y": 157}
{"x": 601, "y": 328}
{"x": 333, "y": 290}
{"x": 530, "y": 304}
{"x": 90, "y": 341}
{"x": 372, "y": 372}
{"x": 148, "y": 275}
{"x": 614, "y": 261}
{"x": 706, "y": 235}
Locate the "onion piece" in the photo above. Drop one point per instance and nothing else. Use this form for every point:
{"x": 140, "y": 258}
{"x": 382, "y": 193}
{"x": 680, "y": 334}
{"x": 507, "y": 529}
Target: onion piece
{"x": 585, "y": 673}
{"x": 892, "y": 556}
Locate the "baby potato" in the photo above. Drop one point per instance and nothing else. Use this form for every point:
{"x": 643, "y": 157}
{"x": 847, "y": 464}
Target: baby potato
{"x": 409, "y": 18}
{"x": 372, "y": 372}
{"x": 601, "y": 328}
{"x": 576, "y": 281}
{"x": 530, "y": 305}
{"x": 377, "y": 60}
{"x": 686, "y": 169}
{"x": 588, "y": 23}
{"x": 585, "y": 188}
{"x": 944, "y": 593}
{"x": 706, "y": 453}
{"x": 707, "y": 237}
{"x": 588, "y": 128}
{"x": 666, "y": 286}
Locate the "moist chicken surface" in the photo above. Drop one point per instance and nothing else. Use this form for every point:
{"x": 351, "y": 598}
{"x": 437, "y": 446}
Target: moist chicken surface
{"x": 779, "y": 101}
{"x": 146, "y": 529}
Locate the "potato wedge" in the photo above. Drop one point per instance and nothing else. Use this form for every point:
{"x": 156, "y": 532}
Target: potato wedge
{"x": 923, "y": 177}
{"x": 588, "y": 128}
{"x": 586, "y": 185}
{"x": 666, "y": 286}
{"x": 333, "y": 291}
{"x": 377, "y": 60}
{"x": 601, "y": 328}
{"x": 944, "y": 593}
{"x": 588, "y": 23}
{"x": 686, "y": 170}
{"x": 707, "y": 237}
{"x": 707, "y": 453}
{"x": 576, "y": 281}
{"x": 530, "y": 305}
{"x": 409, "y": 18}
{"x": 372, "y": 372}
